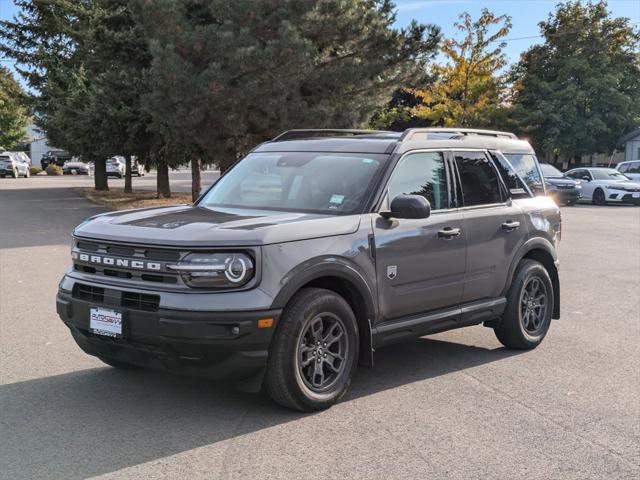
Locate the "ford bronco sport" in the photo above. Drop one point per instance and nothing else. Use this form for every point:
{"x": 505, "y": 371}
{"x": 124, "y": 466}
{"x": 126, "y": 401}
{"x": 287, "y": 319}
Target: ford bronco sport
{"x": 311, "y": 251}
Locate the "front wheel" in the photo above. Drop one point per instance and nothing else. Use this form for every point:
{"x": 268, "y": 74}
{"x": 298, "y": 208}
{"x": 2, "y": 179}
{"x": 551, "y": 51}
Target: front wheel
{"x": 27, "y": 174}
{"x": 599, "y": 198}
{"x": 14, "y": 174}
{"x": 314, "y": 352}
{"x": 530, "y": 301}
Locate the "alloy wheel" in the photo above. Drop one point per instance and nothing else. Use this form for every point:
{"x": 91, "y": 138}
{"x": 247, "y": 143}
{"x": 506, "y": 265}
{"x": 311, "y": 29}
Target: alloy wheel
{"x": 322, "y": 352}
{"x": 533, "y": 305}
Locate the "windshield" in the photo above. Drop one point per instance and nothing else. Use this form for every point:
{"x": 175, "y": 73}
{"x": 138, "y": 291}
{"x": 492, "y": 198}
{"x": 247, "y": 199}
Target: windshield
{"x": 525, "y": 165}
{"x": 550, "y": 170}
{"x": 608, "y": 174}
{"x": 301, "y": 181}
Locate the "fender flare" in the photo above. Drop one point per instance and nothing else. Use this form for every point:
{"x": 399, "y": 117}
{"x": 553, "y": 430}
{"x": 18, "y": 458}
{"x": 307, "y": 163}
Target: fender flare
{"x": 332, "y": 266}
{"x": 545, "y": 245}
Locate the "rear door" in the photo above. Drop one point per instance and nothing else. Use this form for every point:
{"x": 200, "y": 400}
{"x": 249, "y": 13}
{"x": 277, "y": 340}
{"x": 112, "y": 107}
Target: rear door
{"x": 493, "y": 223}
{"x": 420, "y": 263}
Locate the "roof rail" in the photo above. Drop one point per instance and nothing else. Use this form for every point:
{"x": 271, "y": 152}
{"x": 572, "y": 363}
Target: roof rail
{"x": 409, "y": 133}
{"x": 319, "y": 132}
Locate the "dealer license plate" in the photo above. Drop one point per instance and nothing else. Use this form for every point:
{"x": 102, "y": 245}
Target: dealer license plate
{"x": 104, "y": 321}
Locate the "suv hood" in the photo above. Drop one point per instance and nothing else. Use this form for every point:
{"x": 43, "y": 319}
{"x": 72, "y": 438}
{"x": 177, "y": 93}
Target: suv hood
{"x": 187, "y": 225}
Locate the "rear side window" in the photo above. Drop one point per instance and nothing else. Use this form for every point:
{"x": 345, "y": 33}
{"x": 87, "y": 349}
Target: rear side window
{"x": 512, "y": 180}
{"x": 527, "y": 167}
{"x": 634, "y": 167}
{"x": 421, "y": 173}
{"x": 479, "y": 178}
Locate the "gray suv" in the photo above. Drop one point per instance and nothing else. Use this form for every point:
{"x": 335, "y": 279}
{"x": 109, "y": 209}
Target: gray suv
{"x": 310, "y": 252}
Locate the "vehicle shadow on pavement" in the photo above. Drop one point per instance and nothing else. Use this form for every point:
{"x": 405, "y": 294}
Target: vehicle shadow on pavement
{"x": 102, "y": 420}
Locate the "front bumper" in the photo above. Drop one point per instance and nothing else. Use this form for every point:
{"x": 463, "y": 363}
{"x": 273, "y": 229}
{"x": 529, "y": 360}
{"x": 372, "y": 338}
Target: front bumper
{"x": 566, "y": 195}
{"x": 623, "y": 196}
{"x": 212, "y": 344}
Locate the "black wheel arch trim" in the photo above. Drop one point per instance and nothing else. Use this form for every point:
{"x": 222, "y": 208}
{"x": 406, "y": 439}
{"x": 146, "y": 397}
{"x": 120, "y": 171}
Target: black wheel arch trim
{"x": 548, "y": 252}
{"x": 341, "y": 268}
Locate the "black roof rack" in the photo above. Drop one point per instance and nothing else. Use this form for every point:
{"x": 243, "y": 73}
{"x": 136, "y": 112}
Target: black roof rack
{"x": 321, "y": 132}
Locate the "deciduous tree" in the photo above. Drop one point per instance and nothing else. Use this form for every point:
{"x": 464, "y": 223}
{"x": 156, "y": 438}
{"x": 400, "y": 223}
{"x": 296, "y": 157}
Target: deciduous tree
{"x": 14, "y": 115}
{"x": 579, "y": 91}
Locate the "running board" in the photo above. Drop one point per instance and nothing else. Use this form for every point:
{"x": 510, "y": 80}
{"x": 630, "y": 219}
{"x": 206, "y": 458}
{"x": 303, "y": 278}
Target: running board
{"x": 437, "y": 321}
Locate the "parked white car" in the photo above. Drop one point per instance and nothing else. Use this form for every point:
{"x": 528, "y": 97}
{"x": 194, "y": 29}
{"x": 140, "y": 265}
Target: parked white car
{"x": 605, "y": 185}
{"x": 630, "y": 169}
{"x": 116, "y": 167}
{"x": 78, "y": 167}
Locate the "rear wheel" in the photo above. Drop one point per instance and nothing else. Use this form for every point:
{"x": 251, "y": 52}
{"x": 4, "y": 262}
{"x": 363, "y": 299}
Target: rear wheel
{"x": 570, "y": 203}
{"x": 530, "y": 301}
{"x": 314, "y": 351}
{"x": 599, "y": 198}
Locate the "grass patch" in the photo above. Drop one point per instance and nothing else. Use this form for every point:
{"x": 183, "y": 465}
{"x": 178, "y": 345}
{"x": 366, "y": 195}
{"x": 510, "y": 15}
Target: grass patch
{"x": 116, "y": 199}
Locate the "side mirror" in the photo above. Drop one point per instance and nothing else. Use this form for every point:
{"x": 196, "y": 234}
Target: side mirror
{"x": 408, "y": 206}
{"x": 586, "y": 179}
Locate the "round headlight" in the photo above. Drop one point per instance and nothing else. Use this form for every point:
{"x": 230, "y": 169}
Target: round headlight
{"x": 215, "y": 270}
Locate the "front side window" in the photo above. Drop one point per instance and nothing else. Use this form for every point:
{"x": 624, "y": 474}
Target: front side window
{"x": 480, "y": 182}
{"x": 423, "y": 174}
{"x": 317, "y": 182}
{"x": 527, "y": 167}
{"x": 623, "y": 168}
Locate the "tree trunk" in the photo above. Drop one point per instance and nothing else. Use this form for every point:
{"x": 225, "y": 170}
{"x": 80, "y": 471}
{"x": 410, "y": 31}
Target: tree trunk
{"x": 196, "y": 180}
{"x": 100, "y": 175}
{"x": 162, "y": 180}
{"x": 228, "y": 159}
{"x": 127, "y": 175}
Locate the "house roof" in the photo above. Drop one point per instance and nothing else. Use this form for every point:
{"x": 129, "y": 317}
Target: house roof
{"x": 632, "y": 134}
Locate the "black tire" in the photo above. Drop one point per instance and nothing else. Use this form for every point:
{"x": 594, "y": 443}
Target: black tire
{"x": 288, "y": 380}
{"x": 15, "y": 173}
{"x": 599, "y": 198}
{"x": 520, "y": 331}
{"x": 118, "y": 364}
{"x": 570, "y": 203}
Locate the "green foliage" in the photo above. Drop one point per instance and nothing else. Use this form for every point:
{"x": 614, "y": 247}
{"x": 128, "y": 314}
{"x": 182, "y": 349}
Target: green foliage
{"x": 35, "y": 170}
{"x": 579, "y": 92}
{"x": 229, "y": 74}
{"x": 14, "y": 116}
{"x": 53, "y": 169}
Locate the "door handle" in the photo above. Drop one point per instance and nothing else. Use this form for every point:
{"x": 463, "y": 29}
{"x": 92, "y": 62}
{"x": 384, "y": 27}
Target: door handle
{"x": 510, "y": 225}
{"x": 448, "y": 232}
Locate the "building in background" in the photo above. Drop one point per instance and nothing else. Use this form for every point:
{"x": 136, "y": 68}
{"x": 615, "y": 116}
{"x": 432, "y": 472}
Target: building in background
{"x": 631, "y": 143}
{"x": 38, "y": 144}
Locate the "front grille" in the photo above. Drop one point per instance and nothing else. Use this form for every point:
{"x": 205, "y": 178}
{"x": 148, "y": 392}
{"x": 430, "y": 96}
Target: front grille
{"x": 131, "y": 300}
{"x": 88, "y": 292}
{"x": 140, "y": 301}
{"x": 130, "y": 253}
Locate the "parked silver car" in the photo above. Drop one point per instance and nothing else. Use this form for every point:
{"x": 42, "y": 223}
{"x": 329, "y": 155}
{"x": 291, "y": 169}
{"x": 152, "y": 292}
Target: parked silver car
{"x": 605, "y": 185}
{"x": 14, "y": 165}
{"x": 630, "y": 169}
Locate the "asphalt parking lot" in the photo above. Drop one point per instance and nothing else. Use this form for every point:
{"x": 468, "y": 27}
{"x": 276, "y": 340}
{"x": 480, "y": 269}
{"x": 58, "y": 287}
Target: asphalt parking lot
{"x": 455, "y": 405}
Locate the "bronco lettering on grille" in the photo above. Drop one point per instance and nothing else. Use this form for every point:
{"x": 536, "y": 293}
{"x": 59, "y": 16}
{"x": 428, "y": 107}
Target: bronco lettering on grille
{"x": 116, "y": 262}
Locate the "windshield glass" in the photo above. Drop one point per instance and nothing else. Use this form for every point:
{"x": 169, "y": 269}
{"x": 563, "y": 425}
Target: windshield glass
{"x": 550, "y": 170}
{"x": 297, "y": 181}
{"x": 525, "y": 165}
{"x": 608, "y": 174}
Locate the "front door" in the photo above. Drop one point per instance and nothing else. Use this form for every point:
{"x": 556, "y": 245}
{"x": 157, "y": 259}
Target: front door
{"x": 420, "y": 263}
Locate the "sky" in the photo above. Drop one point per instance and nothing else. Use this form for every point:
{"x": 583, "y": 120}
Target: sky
{"x": 525, "y": 15}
